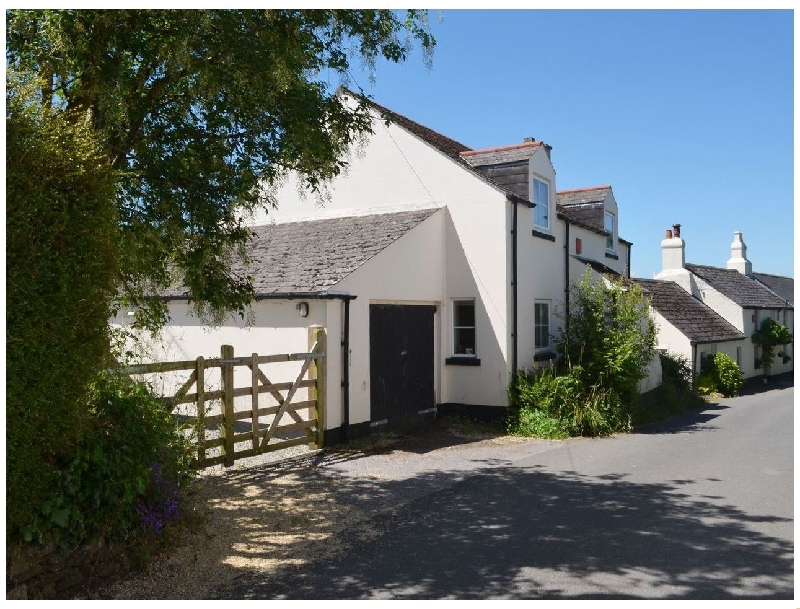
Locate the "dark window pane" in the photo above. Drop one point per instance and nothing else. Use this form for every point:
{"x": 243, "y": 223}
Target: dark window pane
{"x": 465, "y": 341}
{"x": 464, "y": 313}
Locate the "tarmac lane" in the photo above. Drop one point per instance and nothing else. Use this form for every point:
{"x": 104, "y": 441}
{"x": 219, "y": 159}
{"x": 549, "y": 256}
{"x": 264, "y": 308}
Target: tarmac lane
{"x": 700, "y": 507}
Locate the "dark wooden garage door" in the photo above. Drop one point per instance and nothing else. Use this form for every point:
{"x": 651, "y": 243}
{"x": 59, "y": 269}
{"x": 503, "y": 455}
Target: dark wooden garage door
{"x": 401, "y": 361}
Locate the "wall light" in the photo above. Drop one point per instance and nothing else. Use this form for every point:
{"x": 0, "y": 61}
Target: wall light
{"x": 303, "y": 309}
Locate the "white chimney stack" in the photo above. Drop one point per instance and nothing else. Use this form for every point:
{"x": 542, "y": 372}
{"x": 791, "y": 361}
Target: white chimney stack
{"x": 738, "y": 260}
{"x": 673, "y": 255}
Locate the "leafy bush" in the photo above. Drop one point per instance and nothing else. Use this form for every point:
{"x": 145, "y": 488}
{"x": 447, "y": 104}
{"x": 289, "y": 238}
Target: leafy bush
{"x": 707, "y": 384}
{"x": 607, "y": 341}
{"x": 675, "y": 395}
{"x": 720, "y": 373}
{"x": 129, "y": 474}
{"x": 550, "y": 405}
{"x": 60, "y": 268}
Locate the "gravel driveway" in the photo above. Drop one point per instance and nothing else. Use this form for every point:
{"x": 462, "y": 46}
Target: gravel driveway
{"x": 262, "y": 516}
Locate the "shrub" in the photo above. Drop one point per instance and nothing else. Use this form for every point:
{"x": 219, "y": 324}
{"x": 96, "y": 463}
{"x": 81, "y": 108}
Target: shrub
{"x": 129, "y": 474}
{"x": 675, "y": 395}
{"x": 721, "y": 374}
{"x": 60, "y": 267}
{"x": 770, "y": 335}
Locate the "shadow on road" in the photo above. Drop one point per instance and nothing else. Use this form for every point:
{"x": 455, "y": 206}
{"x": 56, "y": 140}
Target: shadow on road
{"x": 513, "y": 532}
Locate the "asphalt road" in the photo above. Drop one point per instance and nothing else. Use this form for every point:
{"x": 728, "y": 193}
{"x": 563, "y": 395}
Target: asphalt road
{"x": 698, "y": 508}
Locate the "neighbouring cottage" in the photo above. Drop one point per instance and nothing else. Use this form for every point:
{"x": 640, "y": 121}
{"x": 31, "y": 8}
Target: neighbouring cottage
{"x": 436, "y": 270}
{"x": 701, "y": 310}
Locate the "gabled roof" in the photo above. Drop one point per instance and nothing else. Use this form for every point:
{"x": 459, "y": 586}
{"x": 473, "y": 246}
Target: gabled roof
{"x": 695, "y": 320}
{"x": 741, "y": 289}
{"x": 459, "y": 153}
{"x": 782, "y": 286}
{"x": 312, "y": 256}
{"x": 583, "y": 196}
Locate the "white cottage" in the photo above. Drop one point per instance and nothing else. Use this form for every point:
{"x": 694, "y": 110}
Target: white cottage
{"x": 436, "y": 270}
{"x": 735, "y": 294}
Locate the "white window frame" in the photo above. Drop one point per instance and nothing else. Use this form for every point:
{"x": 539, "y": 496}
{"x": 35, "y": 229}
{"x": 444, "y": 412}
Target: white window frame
{"x": 538, "y": 204}
{"x": 606, "y": 216}
{"x": 454, "y": 302}
{"x": 548, "y": 346}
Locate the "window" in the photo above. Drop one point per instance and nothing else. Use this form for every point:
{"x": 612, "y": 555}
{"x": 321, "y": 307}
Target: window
{"x": 464, "y": 327}
{"x": 609, "y": 224}
{"x": 541, "y": 213}
{"x": 541, "y": 325}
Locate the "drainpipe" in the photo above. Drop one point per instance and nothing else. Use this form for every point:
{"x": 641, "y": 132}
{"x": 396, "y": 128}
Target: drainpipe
{"x": 630, "y": 245}
{"x": 566, "y": 279}
{"x": 514, "y": 292}
{"x": 346, "y": 373}
{"x": 694, "y": 364}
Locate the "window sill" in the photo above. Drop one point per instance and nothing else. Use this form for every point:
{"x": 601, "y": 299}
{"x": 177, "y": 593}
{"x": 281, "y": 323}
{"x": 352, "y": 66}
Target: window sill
{"x": 544, "y": 356}
{"x": 612, "y": 256}
{"x": 462, "y": 361}
{"x": 541, "y": 235}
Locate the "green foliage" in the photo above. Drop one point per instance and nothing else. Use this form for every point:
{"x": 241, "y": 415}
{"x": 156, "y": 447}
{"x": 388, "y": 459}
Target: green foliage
{"x": 606, "y": 345}
{"x": 674, "y": 396}
{"x": 728, "y": 374}
{"x": 771, "y": 334}
{"x": 707, "y": 384}
{"x": 202, "y": 112}
{"x": 608, "y": 332}
{"x": 129, "y": 473}
{"x": 61, "y": 227}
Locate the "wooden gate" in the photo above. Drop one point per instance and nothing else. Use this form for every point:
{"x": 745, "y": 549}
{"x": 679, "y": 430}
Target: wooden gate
{"x": 219, "y": 430}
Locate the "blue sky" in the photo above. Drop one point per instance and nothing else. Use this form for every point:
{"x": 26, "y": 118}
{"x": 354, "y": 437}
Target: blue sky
{"x": 688, "y": 115}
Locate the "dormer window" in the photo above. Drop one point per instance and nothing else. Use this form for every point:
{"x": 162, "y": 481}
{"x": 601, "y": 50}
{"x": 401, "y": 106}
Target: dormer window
{"x": 609, "y": 226}
{"x": 541, "y": 197}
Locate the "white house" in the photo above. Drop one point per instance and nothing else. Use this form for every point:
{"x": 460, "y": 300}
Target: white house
{"x": 436, "y": 270}
{"x": 742, "y": 298}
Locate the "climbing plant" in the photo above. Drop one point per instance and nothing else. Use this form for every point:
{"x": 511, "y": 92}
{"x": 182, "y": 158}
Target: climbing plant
{"x": 770, "y": 335}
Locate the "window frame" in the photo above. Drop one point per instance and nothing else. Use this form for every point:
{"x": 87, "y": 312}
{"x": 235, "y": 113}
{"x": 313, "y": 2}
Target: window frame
{"x": 454, "y": 303}
{"x": 610, "y": 235}
{"x": 536, "y": 326}
{"x": 537, "y": 204}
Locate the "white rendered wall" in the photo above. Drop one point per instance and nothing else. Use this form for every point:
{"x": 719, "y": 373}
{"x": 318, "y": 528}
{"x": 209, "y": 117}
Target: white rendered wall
{"x": 409, "y": 271}
{"x": 276, "y": 328}
{"x": 392, "y": 170}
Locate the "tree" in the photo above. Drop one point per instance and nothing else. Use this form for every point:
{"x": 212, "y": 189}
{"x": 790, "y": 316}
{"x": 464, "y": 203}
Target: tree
{"x": 200, "y": 112}
{"x": 135, "y": 142}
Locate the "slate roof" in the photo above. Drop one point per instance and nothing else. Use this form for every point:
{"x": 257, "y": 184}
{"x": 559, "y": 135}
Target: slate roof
{"x": 453, "y": 149}
{"x": 597, "y": 266}
{"x": 741, "y": 289}
{"x": 312, "y": 256}
{"x": 697, "y": 321}
{"x": 583, "y": 196}
{"x": 780, "y": 285}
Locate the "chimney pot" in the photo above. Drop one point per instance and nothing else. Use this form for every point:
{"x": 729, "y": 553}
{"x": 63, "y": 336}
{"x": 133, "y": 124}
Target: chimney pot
{"x": 676, "y": 230}
{"x": 668, "y": 235}
{"x": 529, "y": 139}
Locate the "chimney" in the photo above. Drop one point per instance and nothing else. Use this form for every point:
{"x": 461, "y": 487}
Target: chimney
{"x": 738, "y": 260}
{"x": 528, "y": 139}
{"x": 672, "y": 250}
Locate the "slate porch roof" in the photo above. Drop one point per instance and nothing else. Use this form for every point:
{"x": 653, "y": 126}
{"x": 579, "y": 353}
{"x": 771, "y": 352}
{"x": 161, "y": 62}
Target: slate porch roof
{"x": 597, "y": 266}
{"x": 309, "y": 257}
{"x": 780, "y": 285}
{"x": 453, "y": 149}
{"x": 698, "y": 322}
{"x": 741, "y": 289}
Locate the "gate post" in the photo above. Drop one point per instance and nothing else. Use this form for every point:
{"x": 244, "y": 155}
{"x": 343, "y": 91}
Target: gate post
{"x": 318, "y": 372}
{"x": 226, "y": 354}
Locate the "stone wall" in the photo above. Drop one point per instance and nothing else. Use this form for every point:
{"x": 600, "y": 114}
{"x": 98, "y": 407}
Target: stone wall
{"x": 34, "y": 572}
